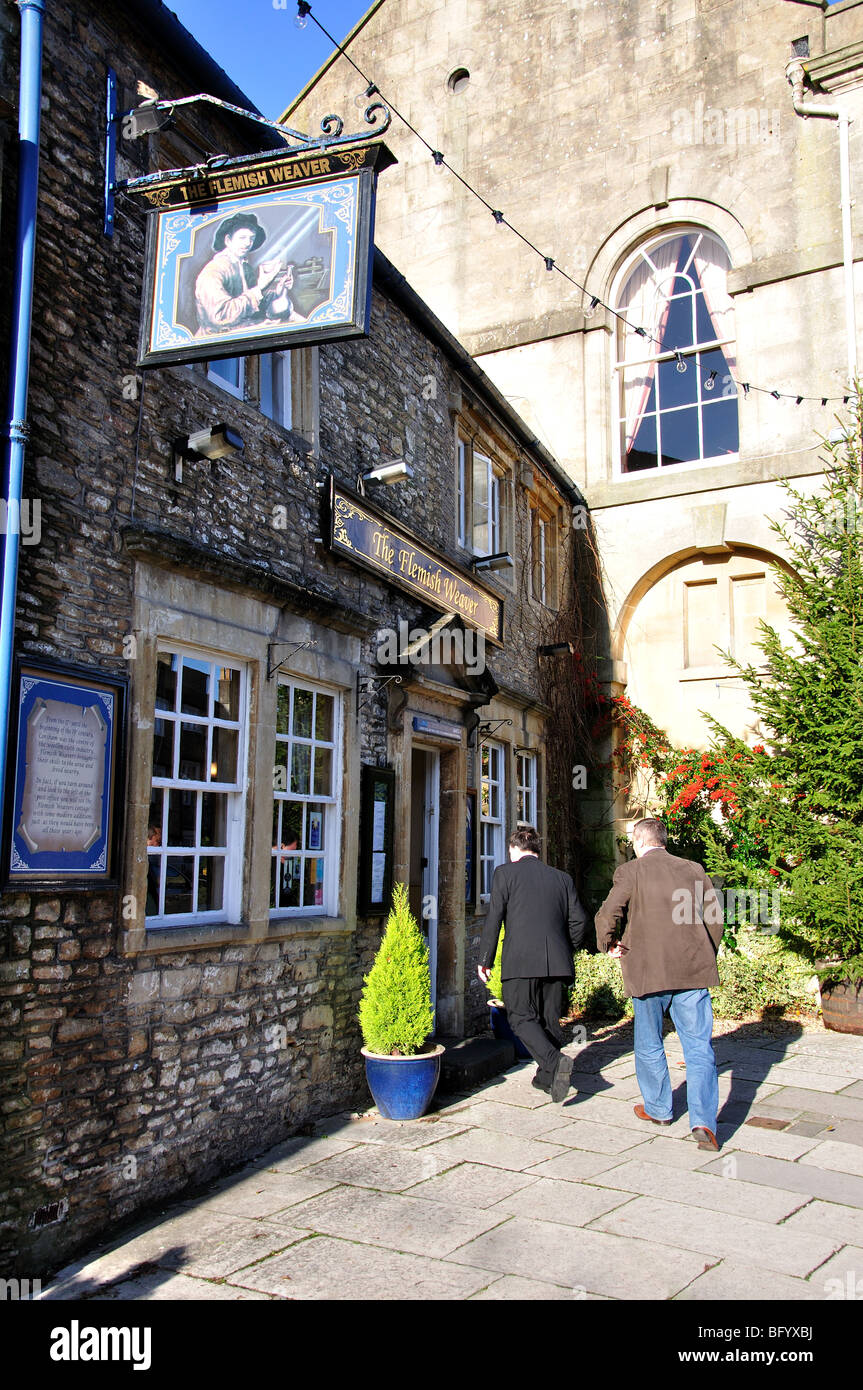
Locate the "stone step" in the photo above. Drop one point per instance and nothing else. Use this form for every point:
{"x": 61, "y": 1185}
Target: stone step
{"x": 467, "y": 1062}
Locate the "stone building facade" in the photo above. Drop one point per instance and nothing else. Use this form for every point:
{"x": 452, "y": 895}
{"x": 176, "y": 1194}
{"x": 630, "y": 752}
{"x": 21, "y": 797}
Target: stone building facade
{"x": 156, "y": 1034}
{"x": 654, "y": 152}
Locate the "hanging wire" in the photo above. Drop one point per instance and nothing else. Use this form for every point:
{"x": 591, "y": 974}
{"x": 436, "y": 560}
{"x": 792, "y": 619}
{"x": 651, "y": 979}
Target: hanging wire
{"x": 305, "y": 12}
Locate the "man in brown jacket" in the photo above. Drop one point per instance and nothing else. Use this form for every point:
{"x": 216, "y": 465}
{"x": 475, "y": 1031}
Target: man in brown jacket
{"x": 668, "y": 957}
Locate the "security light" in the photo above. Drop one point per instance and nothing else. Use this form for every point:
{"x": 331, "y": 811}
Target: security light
{"x": 216, "y": 442}
{"x": 388, "y": 471}
{"x": 502, "y": 560}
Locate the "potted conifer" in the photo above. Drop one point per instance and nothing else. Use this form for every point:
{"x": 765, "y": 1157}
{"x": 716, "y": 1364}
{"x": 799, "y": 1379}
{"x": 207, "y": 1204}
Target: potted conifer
{"x": 397, "y": 1019}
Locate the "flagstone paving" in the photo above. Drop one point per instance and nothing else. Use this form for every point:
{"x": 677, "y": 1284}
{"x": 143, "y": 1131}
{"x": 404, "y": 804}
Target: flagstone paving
{"x": 501, "y": 1195}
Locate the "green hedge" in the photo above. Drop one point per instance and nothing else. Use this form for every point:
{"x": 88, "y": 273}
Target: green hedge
{"x": 764, "y": 975}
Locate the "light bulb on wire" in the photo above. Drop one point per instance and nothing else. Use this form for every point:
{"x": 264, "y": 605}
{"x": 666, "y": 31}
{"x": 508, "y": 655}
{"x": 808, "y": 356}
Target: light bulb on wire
{"x": 304, "y": 9}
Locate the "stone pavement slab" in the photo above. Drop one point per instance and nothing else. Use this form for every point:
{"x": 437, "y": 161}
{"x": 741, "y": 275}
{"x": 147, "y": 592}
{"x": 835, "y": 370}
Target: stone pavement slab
{"x": 795, "y": 1100}
{"x": 772, "y": 1143}
{"x": 841, "y": 1158}
{"x": 472, "y": 1185}
{"x": 830, "y": 1219}
{"x": 509, "y": 1287}
{"x": 575, "y": 1165}
{"x": 597, "y": 1138}
{"x": 729, "y": 1280}
{"x": 700, "y": 1190}
{"x": 674, "y": 1153}
{"x": 719, "y": 1235}
{"x": 584, "y": 1259}
{"x": 395, "y": 1221}
{"x": 508, "y": 1119}
{"x": 796, "y": 1177}
{"x": 842, "y": 1276}
{"x": 855, "y": 1091}
{"x": 324, "y": 1268}
{"x": 571, "y": 1204}
{"x": 379, "y": 1166}
{"x": 498, "y": 1150}
{"x": 162, "y": 1285}
{"x": 262, "y": 1193}
{"x": 845, "y": 1131}
{"x": 296, "y": 1154}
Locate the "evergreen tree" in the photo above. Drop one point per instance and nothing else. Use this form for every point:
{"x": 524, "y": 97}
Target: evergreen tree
{"x": 804, "y": 793}
{"x": 396, "y": 1015}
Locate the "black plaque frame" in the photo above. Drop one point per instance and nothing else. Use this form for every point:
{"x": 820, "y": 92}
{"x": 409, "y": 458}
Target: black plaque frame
{"x": 54, "y": 879}
{"x": 377, "y": 784}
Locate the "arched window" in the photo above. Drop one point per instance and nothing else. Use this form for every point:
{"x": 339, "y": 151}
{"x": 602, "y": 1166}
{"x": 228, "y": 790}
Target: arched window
{"x": 675, "y": 386}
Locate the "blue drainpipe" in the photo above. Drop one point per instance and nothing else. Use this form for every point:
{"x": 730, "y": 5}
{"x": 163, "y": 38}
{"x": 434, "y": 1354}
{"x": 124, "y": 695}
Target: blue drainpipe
{"x": 29, "y": 104}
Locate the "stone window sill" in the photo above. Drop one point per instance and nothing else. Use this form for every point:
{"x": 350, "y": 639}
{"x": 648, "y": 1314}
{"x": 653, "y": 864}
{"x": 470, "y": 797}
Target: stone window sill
{"x": 154, "y": 940}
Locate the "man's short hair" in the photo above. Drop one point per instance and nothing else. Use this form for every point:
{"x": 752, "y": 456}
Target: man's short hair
{"x": 526, "y": 839}
{"x": 650, "y": 832}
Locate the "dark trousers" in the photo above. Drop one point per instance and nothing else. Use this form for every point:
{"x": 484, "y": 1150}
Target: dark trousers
{"x": 533, "y": 1010}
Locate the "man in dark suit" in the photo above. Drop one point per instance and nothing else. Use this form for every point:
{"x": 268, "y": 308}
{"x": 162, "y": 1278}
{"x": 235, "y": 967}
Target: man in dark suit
{"x": 674, "y": 924}
{"x": 545, "y": 923}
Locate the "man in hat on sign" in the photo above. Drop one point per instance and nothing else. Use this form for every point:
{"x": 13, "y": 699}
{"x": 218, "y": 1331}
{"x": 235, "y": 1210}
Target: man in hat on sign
{"x": 230, "y": 292}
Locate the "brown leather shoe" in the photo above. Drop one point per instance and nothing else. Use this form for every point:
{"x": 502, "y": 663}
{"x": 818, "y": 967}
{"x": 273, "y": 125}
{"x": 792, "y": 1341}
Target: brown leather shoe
{"x": 642, "y": 1114}
{"x": 705, "y": 1137}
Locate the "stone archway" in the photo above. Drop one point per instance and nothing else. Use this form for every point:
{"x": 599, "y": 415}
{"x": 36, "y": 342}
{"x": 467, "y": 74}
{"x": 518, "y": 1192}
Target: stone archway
{"x": 671, "y": 625}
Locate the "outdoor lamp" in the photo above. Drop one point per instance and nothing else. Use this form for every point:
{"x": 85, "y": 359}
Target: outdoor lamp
{"x": 216, "y": 442}
{"x": 389, "y": 471}
{"x": 502, "y": 560}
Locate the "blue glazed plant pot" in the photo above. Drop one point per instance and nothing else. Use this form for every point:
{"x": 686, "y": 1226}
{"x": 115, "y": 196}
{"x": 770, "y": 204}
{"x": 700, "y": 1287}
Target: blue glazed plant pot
{"x": 502, "y": 1031}
{"x": 402, "y": 1087}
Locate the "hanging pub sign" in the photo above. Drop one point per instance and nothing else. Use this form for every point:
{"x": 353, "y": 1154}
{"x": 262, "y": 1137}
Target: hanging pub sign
{"x": 360, "y": 533}
{"x": 264, "y": 254}
{"x": 64, "y": 793}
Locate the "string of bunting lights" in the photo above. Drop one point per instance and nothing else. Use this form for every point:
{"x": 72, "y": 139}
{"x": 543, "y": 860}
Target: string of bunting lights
{"x": 304, "y": 13}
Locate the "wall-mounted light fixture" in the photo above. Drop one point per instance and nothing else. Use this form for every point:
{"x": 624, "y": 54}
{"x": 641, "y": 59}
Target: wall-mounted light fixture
{"x": 555, "y": 648}
{"x": 388, "y": 471}
{"x": 501, "y": 560}
{"x": 214, "y": 443}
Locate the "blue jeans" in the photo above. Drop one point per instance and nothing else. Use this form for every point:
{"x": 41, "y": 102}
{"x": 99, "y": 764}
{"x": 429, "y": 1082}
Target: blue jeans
{"x": 692, "y": 1015}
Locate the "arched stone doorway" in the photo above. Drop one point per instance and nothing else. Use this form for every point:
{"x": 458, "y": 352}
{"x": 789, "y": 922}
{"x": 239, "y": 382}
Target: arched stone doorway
{"x": 671, "y": 627}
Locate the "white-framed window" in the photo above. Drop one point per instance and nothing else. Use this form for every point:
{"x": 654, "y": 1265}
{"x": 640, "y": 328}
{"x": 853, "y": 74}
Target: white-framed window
{"x": 197, "y": 803}
{"x": 230, "y": 374}
{"x": 482, "y": 501}
{"x": 275, "y": 387}
{"x": 544, "y": 557}
{"x": 675, "y": 386}
{"x": 525, "y": 772}
{"x": 306, "y": 782}
{"x": 491, "y": 815}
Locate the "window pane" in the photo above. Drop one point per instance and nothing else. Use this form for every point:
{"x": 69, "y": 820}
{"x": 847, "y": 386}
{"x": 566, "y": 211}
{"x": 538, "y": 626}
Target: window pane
{"x": 679, "y": 329}
{"x": 182, "y": 809}
{"x": 283, "y": 711}
{"x": 313, "y": 883}
{"x": 323, "y": 771}
{"x": 324, "y": 717}
{"x": 721, "y": 431}
{"x": 227, "y": 701}
{"x": 315, "y": 821}
{"x": 229, "y": 369}
{"x": 213, "y": 819}
{"x": 179, "y": 883}
{"x": 211, "y": 878}
{"x": 680, "y": 436}
{"x": 275, "y": 379}
{"x": 677, "y": 388}
{"x": 224, "y": 763}
{"x": 292, "y": 824}
{"x": 193, "y": 752}
{"x": 196, "y": 687}
{"x": 302, "y": 713}
{"x": 166, "y": 681}
{"x": 163, "y": 747}
{"x": 301, "y": 760}
{"x": 285, "y": 881}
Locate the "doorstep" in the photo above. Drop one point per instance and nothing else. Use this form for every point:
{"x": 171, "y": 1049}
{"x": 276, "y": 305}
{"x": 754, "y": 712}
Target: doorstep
{"x": 467, "y": 1062}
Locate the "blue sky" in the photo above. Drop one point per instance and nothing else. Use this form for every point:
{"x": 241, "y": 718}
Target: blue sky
{"x": 260, "y": 47}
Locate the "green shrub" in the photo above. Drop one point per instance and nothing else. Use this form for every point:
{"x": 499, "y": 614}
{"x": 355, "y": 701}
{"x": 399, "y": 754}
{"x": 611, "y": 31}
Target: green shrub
{"x": 598, "y": 988}
{"x": 763, "y": 974}
{"x": 396, "y": 1014}
{"x": 495, "y": 983}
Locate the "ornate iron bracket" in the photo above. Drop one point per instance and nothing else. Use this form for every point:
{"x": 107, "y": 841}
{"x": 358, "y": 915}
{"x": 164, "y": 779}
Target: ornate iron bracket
{"x": 272, "y": 646}
{"x": 380, "y": 681}
{"x": 486, "y": 730}
{"x": 138, "y": 121}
